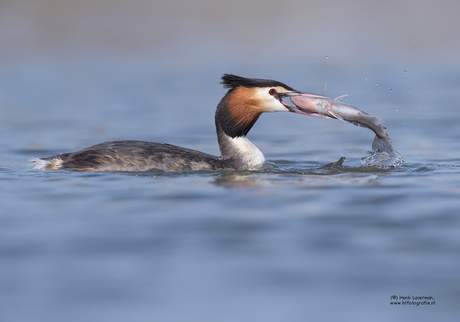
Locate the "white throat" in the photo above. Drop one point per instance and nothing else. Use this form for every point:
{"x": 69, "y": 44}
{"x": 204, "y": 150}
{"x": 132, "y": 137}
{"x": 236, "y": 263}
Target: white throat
{"x": 239, "y": 152}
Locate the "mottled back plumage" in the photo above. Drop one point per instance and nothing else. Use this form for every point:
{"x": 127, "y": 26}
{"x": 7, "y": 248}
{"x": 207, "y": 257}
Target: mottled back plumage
{"x": 137, "y": 156}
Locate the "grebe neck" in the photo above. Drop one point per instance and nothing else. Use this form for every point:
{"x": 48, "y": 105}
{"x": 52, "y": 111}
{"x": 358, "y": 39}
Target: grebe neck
{"x": 234, "y": 118}
{"x": 238, "y": 153}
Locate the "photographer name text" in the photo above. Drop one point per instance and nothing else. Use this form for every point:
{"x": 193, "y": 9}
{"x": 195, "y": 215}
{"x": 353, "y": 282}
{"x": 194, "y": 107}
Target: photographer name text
{"x": 412, "y": 300}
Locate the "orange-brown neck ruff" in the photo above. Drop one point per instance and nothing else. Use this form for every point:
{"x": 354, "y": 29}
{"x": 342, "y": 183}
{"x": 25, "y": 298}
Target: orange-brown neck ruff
{"x": 238, "y": 111}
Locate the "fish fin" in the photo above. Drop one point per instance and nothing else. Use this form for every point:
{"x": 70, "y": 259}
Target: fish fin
{"x": 375, "y": 120}
{"x": 324, "y": 93}
{"x": 336, "y": 116}
{"x": 339, "y": 97}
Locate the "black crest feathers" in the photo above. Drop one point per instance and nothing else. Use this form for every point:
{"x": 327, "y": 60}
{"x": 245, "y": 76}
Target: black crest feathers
{"x": 231, "y": 81}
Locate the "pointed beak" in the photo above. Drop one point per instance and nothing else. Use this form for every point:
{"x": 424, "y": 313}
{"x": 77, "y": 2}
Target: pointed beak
{"x": 293, "y": 108}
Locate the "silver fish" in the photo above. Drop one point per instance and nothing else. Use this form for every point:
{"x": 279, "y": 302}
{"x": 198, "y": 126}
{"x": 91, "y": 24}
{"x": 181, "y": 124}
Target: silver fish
{"x": 383, "y": 155}
{"x": 325, "y": 107}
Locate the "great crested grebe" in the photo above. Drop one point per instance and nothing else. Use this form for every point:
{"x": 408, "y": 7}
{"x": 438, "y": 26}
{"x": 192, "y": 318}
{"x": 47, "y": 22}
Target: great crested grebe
{"x": 239, "y": 109}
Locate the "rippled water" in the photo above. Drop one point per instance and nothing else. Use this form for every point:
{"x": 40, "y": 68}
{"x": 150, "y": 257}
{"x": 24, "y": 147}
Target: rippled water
{"x": 309, "y": 236}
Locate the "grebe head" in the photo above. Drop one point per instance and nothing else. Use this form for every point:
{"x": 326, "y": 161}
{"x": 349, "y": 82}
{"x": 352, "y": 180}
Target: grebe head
{"x": 247, "y": 99}
{"x": 239, "y": 109}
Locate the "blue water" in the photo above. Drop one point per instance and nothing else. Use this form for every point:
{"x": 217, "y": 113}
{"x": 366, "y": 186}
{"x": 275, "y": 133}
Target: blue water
{"x": 304, "y": 238}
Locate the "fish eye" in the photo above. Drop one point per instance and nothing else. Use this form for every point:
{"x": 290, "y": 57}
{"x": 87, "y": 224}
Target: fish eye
{"x": 272, "y": 91}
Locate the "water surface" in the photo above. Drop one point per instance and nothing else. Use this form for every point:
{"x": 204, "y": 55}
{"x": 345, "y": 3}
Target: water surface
{"x": 288, "y": 242}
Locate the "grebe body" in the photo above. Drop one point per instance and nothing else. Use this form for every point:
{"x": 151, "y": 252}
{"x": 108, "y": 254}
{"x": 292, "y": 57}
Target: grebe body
{"x": 239, "y": 109}
{"x": 133, "y": 156}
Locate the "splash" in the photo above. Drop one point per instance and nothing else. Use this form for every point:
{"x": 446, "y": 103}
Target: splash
{"x": 383, "y": 155}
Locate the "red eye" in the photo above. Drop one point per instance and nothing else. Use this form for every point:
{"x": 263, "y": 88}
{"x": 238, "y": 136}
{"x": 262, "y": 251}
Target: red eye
{"x": 272, "y": 91}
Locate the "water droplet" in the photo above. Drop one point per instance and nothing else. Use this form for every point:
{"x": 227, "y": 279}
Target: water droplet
{"x": 327, "y": 57}
{"x": 375, "y": 84}
{"x": 366, "y": 79}
{"x": 406, "y": 71}
{"x": 391, "y": 90}
{"x": 413, "y": 40}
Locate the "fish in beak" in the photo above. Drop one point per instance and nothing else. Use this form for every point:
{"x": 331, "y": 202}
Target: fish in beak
{"x": 300, "y": 110}
{"x": 326, "y": 107}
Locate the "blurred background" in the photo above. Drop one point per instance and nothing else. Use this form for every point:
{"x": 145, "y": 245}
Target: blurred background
{"x": 204, "y": 32}
{"x": 76, "y": 60}
{"x": 293, "y": 243}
